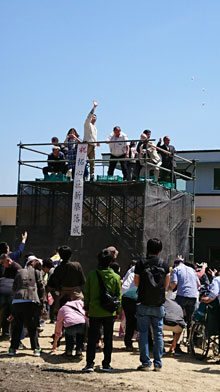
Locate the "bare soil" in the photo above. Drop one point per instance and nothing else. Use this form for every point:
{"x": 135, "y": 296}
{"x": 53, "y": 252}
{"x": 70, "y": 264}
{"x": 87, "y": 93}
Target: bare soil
{"x": 52, "y": 372}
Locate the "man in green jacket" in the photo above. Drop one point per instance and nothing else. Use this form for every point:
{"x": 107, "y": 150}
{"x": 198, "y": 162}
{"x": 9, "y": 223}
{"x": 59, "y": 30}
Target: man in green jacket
{"x": 98, "y": 316}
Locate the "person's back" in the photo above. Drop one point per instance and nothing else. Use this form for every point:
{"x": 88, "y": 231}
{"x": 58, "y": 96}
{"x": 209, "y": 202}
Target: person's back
{"x": 151, "y": 289}
{"x": 92, "y": 291}
{"x": 187, "y": 281}
{"x": 71, "y": 319}
{"x": 174, "y": 321}
{"x": 173, "y": 313}
{"x": 69, "y": 314}
{"x": 25, "y": 285}
{"x": 95, "y": 289}
{"x": 28, "y": 294}
{"x": 70, "y": 274}
{"x": 151, "y": 278}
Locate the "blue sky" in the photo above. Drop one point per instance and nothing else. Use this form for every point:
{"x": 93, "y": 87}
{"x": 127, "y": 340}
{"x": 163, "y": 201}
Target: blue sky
{"x": 145, "y": 62}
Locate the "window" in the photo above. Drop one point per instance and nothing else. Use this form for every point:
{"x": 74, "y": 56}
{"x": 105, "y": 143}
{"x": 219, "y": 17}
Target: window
{"x": 217, "y": 179}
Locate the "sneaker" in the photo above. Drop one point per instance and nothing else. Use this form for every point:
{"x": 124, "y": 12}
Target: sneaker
{"x": 107, "y": 369}
{"x": 144, "y": 367}
{"x": 37, "y": 352}
{"x": 11, "y": 352}
{"x": 88, "y": 369}
{"x": 157, "y": 369}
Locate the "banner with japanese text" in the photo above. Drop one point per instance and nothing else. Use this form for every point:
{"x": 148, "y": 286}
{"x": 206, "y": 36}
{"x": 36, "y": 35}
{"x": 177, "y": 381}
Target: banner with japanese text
{"x": 78, "y": 186}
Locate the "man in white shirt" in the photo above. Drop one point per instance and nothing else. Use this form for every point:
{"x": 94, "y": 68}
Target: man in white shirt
{"x": 119, "y": 148}
{"x": 90, "y": 136}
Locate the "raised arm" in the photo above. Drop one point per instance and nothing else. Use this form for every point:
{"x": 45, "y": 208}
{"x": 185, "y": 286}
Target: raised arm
{"x": 24, "y": 237}
{"x": 95, "y": 104}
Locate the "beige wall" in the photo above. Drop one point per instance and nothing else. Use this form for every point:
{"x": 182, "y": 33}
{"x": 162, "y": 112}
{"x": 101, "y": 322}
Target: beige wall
{"x": 210, "y": 218}
{"x": 208, "y": 209}
{"x": 8, "y": 210}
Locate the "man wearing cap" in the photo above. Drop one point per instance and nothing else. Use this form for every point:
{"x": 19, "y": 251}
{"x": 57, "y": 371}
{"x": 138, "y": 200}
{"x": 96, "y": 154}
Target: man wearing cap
{"x": 55, "y": 164}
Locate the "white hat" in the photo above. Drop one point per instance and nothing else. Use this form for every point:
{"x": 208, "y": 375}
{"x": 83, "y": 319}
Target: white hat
{"x": 32, "y": 258}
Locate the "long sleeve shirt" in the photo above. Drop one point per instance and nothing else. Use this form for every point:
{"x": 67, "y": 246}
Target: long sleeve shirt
{"x": 92, "y": 291}
{"x": 67, "y": 316}
{"x": 17, "y": 253}
{"x": 90, "y": 130}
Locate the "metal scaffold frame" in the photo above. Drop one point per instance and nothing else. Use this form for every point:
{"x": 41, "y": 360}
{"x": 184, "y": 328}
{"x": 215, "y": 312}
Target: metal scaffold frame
{"x": 118, "y": 212}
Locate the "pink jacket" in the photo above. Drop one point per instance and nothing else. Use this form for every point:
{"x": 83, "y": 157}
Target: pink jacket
{"x": 67, "y": 316}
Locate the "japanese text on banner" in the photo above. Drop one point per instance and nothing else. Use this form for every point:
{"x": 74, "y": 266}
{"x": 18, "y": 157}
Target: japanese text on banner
{"x": 78, "y": 187}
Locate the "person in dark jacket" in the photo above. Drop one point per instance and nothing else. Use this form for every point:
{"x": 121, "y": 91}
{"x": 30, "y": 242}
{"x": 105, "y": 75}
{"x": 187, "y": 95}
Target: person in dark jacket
{"x": 55, "y": 162}
{"x": 67, "y": 279}
{"x": 5, "y": 249}
{"x": 28, "y": 299}
{"x": 168, "y": 162}
{"x": 9, "y": 271}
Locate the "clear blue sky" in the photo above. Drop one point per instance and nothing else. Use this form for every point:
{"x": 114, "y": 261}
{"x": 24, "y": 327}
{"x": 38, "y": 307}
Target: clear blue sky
{"x": 145, "y": 62}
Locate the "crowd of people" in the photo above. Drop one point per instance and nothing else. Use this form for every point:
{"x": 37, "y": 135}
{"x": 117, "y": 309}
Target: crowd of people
{"x": 151, "y": 298}
{"x": 136, "y": 159}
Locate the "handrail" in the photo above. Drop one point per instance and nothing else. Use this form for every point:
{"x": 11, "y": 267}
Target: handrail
{"x": 30, "y": 163}
{"x": 24, "y": 146}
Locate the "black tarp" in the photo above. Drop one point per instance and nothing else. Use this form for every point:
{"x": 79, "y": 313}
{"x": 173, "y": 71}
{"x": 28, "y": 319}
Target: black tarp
{"x": 124, "y": 215}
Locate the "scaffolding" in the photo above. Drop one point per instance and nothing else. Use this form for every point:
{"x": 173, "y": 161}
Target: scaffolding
{"x": 124, "y": 214}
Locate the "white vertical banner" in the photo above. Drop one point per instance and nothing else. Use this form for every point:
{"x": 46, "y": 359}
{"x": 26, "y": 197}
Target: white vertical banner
{"x": 78, "y": 187}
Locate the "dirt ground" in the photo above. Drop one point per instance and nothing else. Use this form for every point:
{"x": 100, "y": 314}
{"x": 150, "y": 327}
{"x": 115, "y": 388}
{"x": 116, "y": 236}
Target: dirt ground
{"x": 52, "y": 372}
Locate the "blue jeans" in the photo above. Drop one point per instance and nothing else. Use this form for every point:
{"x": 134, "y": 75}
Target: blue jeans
{"x": 150, "y": 316}
{"x": 75, "y": 335}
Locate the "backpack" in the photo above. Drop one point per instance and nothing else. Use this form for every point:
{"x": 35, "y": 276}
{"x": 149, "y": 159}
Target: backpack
{"x": 151, "y": 290}
{"x": 108, "y": 301}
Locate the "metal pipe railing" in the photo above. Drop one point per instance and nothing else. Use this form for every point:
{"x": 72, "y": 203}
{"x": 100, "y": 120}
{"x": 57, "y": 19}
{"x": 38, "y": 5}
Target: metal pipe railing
{"x": 30, "y": 163}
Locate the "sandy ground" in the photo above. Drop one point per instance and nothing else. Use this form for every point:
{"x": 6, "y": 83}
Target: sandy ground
{"x": 52, "y": 372}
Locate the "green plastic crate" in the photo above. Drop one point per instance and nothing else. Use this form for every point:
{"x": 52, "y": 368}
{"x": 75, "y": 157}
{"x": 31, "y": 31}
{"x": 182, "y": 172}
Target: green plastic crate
{"x": 110, "y": 178}
{"x": 142, "y": 178}
{"x": 56, "y": 177}
{"x": 166, "y": 184}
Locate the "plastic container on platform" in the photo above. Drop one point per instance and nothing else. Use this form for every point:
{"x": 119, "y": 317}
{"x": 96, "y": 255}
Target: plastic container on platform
{"x": 110, "y": 178}
{"x": 56, "y": 177}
